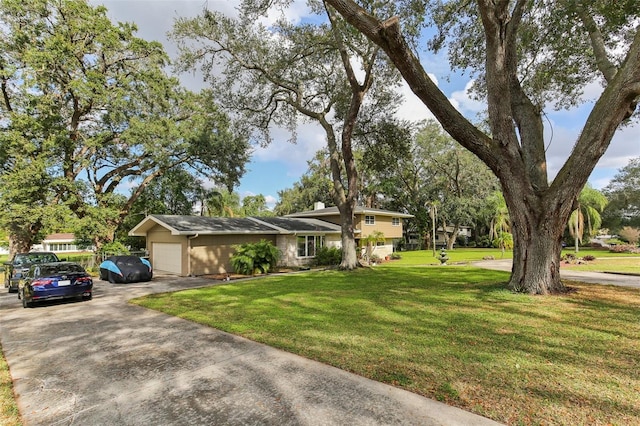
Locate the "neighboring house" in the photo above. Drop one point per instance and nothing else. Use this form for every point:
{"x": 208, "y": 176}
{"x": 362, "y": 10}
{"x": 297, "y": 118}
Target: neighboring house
{"x": 59, "y": 243}
{"x": 415, "y": 240}
{"x": 199, "y": 245}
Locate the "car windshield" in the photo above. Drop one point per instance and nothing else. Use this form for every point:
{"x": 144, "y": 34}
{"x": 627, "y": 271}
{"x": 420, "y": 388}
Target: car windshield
{"x": 30, "y": 258}
{"x": 128, "y": 261}
{"x": 69, "y": 268}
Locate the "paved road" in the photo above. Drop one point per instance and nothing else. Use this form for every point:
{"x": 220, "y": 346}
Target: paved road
{"x": 572, "y": 274}
{"x": 105, "y": 362}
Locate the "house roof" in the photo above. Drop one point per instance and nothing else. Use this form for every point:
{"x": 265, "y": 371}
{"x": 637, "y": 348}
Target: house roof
{"x": 333, "y": 211}
{"x": 203, "y": 225}
{"x": 62, "y": 236}
{"x": 289, "y": 224}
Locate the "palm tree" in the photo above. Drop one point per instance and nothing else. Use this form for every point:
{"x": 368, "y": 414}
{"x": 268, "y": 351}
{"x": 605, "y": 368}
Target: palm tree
{"x": 586, "y": 217}
{"x": 500, "y": 223}
{"x": 221, "y": 203}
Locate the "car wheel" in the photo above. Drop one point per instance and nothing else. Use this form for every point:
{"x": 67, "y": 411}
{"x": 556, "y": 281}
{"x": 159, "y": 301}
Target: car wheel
{"x": 89, "y": 297}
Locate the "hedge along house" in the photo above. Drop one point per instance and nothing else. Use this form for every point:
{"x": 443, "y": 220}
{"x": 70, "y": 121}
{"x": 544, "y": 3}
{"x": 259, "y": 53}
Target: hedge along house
{"x": 199, "y": 245}
{"x": 366, "y": 222}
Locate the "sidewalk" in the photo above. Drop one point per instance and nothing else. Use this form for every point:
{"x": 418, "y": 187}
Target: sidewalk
{"x": 571, "y": 274}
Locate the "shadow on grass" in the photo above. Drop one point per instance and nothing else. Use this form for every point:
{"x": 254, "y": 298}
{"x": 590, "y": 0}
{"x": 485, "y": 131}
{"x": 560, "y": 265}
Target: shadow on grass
{"x": 438, "y": 331}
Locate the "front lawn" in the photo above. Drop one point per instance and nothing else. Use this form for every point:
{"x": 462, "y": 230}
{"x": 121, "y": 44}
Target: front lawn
{"x": 450, "y": 333}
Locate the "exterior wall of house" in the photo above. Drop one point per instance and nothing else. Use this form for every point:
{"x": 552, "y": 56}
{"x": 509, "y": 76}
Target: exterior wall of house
{"x": 382, "y": 224}
{"x": 335, "y": 219}
{"x": 288, "y": 246}
{"x": 382, "y": 251}
{"x": 211, "y": 254}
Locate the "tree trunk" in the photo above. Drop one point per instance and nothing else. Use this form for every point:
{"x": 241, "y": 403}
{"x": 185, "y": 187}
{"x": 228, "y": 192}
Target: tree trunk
{"x": 18, "y": 245}
{"x": 537, "y": 238}
{"x": 349, "y": 249}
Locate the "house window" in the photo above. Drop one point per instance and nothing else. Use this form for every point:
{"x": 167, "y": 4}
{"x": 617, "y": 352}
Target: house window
{"x": 369, "y": 220}
{"x": 62, "y": 247}
{"x": 395, "y": 221}
{"x": 309, "y": 244}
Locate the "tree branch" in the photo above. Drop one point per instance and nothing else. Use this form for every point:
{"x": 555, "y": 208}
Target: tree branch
{"x": 606, "y": 67}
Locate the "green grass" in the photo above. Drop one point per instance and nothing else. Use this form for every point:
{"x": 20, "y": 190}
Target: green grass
{"x": 9, "y": 415}
{"x": 458, "y": 255}
{"x": 450, "y": 333}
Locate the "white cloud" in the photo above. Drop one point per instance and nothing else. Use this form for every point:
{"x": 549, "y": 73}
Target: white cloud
{"x": 310, "y": 139}
{"x": 461, "y": 99}
{"x": 413, "y": 109}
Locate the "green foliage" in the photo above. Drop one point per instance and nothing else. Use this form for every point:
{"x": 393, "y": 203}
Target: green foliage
{"x": 314, "y": 186}
{"x": 219, "y": 202}
{"x": 503, "y": 241}
{"x": 585, "y": 220}
{"x": 255, "y": 205}
{"x": 114, "y": 248}
{"x": 328, "y": 256}
{"x": 623, "y": 193}
{"x": 424, "y": 168}
{"x": 251, "y": 258}
{"x": 88, "y": 106}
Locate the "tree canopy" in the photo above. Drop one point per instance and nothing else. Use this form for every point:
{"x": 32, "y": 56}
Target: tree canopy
{"x": 88, "y": 108}
{"x": 524, "y": 54}
{"x": 623, "y": 193}
{"x": 277, "y": 75}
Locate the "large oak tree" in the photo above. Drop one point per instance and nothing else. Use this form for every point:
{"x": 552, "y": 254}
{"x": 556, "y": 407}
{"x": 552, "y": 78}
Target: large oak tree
{"x": 274, "y": 76}
{"x": 526, "y": 53}
{"x": 88, "y": 107}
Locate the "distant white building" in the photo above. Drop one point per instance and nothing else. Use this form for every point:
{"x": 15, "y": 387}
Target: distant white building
{"x": 60, "y": 243}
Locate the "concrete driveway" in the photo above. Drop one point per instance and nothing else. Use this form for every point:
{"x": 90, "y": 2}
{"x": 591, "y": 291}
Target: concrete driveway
{"x": 105, "y": 362}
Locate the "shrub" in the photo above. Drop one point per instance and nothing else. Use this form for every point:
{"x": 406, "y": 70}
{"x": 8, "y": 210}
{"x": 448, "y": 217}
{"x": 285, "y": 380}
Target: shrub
{"x": 484, "y": 242}
{"x": 328, "y": 256}
{"x": 114, "y": 248}
{"x": 568, "y": 257}
{"x": 629, "y": 234}
{"x": 250, "y": 258}
{"x": 624, "y": 248}
{"x": 396, "y": 256}
{"x": 589, "y": 258}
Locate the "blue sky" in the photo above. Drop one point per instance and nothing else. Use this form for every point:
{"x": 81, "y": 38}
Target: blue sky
{"x": 281, "y": 164}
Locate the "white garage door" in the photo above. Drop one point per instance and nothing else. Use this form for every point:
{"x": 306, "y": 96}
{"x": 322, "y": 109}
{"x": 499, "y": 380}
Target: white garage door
{"x": 167, "y": 257}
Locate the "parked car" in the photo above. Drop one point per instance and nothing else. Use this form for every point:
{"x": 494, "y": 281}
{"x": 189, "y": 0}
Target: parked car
{"x": 125, "y": 269}
{"x": 59, "y": 280}
{"x": 20, "y": 264}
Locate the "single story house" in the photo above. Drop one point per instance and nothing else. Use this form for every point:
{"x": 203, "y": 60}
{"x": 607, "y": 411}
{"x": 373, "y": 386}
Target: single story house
{"x": 63, "y": 242}
{"x": 199, "y": 245}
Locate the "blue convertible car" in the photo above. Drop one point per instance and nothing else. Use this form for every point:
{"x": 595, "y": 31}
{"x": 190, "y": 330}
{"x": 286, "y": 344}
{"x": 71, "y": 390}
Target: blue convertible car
{"x": 50, "y": 281}
{"x": 125, "y": 269}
